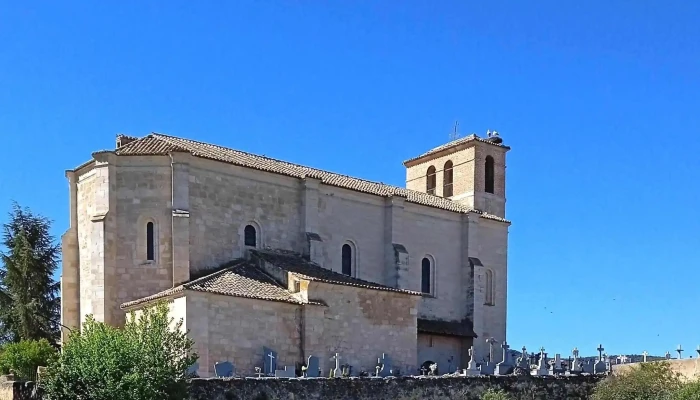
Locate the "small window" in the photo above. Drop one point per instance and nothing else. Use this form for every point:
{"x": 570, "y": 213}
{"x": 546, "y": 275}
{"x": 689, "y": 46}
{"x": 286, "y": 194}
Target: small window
{"x": 150, "y": 242}
{"x": 489, "y": 175}
{"x": 250, "y": 236}
{"x": 347, "y": 260}
{"x": 489, "y": 288}
{"x": 430, "y": 181}
{"x": 447, "y": 184}
{"x": 426, "y": 275}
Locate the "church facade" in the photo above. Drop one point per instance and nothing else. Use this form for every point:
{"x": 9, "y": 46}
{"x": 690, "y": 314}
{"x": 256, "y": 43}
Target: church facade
{"x": 254, "y": 252}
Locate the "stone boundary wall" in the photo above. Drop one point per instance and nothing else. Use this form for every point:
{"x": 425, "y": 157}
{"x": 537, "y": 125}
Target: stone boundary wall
{"x": 688, "y": 368}
{"x": 16, "y": 390}
{"x": 403, "y": 388}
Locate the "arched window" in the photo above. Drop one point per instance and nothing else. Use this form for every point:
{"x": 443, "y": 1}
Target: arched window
{"x": 426, "y": 276}
{"x": 347, "y": 260}
{"x": 447, "y": 181}
{"x": 250, "y": 236}
{"x": 489, "y": 300}
{"x": 430, "y": 181}
{"x": 150, "y": 242}
{"x": 489, "y": 174}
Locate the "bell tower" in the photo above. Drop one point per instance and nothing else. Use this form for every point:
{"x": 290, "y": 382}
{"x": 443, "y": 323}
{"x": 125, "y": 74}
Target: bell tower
{"x": 469, "y": 170}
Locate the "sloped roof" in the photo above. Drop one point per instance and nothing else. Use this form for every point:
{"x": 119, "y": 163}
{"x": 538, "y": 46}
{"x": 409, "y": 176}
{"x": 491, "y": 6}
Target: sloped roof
{"x": 241, "y": 280}
{"x": 464, "y": 328}
{"x": 304, "y": 269}
{"x": 160, "y": 144}
{"x": 454, "y": 143}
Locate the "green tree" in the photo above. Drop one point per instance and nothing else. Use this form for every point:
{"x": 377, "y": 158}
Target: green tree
{"x": 25, "y": 356}
{"x": 29, "y": 302}
{"x": 146, "y": 360}
{"x": 648, "y": 381}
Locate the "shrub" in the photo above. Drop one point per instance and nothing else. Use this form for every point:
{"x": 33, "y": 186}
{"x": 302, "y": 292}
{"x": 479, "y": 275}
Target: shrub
{"x": 25, "y": 356}
{"x": 146, "y": 360}
{"x": 689, "y": 391}
{"x": 493, "y": 394}
{"x": 648, "y": 381}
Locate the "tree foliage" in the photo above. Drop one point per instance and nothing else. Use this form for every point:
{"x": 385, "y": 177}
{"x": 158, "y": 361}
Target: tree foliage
{"x": 494, "y": 394}
{"x": 29, "y": 302}
{"x": 146, "y": 360}
{"x": 648, "y": 381}
{"x": 25, "y": 356}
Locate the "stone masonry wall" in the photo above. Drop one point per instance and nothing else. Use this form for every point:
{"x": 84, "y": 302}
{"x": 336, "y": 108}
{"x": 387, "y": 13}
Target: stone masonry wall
{"x": 224, "y": 199}
{"x": 143, "y": 196}
{"x": 361, "y": 324}
{"x": 408, "y": 388}
{"x": 235, "y": 329}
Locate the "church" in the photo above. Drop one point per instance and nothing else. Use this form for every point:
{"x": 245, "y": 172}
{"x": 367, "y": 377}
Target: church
{"x": 253, "y": 252}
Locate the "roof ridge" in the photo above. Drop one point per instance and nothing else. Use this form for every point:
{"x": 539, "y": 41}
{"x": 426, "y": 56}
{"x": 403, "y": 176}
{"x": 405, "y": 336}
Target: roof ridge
{"x": 396, "y": 191}
{"x": 214, "y": 274}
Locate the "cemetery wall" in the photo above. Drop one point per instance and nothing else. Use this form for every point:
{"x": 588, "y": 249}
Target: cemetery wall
{"x": 361, "y": 324}
{"x": 689, "y": 367}
{"x": 405, "y": 388}
{"x": 13, "y": 390}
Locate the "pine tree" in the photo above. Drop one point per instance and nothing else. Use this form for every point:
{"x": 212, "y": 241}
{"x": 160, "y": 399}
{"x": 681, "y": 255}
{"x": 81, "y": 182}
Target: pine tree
{"x": 29, "y": 302}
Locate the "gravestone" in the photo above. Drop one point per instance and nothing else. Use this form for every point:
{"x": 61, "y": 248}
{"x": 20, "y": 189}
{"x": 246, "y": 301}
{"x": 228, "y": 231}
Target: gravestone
{"x": 505, "y": 367}
{"x": 193, "y": 370}
{"x": 542, "y": 369}
{"x": 600, "y": 366}
{"x": 386, "y": 364}
{"x": 668, "y": 355}
{"x": 337, "y": 373}
{"x": 487, "y": 368}
{"x": 557, "y": 368}
{"x": 224, "y": 369}
{"x": 313, "y": 369}
{"x": 269, "y": 361}
{"x": 287, "y": 372}
{"x": 587, "y": 367}
{"x": 575, "y": 367}
{"x": 472, "y": 369}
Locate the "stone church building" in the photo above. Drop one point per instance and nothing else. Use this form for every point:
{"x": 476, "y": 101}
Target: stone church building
{"x": 251, "y": 251}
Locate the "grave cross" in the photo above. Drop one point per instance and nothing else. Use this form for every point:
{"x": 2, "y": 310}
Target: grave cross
{"x": 644, "y": 355}
{"x": 542, "y": 350}
{"x": 505, "y": 348}
{"x": 600, "y": 352}
{"x": 679, "y": 350}
{"x": 491, "y": 341}
{"x": 272, "y": 358}
{"x": 336, "y": 357}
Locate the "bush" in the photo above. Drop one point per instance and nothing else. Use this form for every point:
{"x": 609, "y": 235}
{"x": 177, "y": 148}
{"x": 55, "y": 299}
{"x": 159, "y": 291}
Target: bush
{"x": 493, "y": 394}
{"x": 25, "y": 356}
{"x": 689, "y": 391}
{"x": 146, "y": 360}
{"x": 648, "y": 381}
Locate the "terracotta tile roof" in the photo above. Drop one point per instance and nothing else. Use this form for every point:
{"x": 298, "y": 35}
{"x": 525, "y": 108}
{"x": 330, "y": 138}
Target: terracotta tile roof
{"x": 457, "y": 142}
{"x": 464, "y": 328}
{"x": 241, "y": 280}
{"x": 304, "y": 269}
{"x": 159, "y": 144}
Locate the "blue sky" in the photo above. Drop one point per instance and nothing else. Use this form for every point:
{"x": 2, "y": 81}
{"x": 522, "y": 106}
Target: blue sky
{"x": 598, "y": 100}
